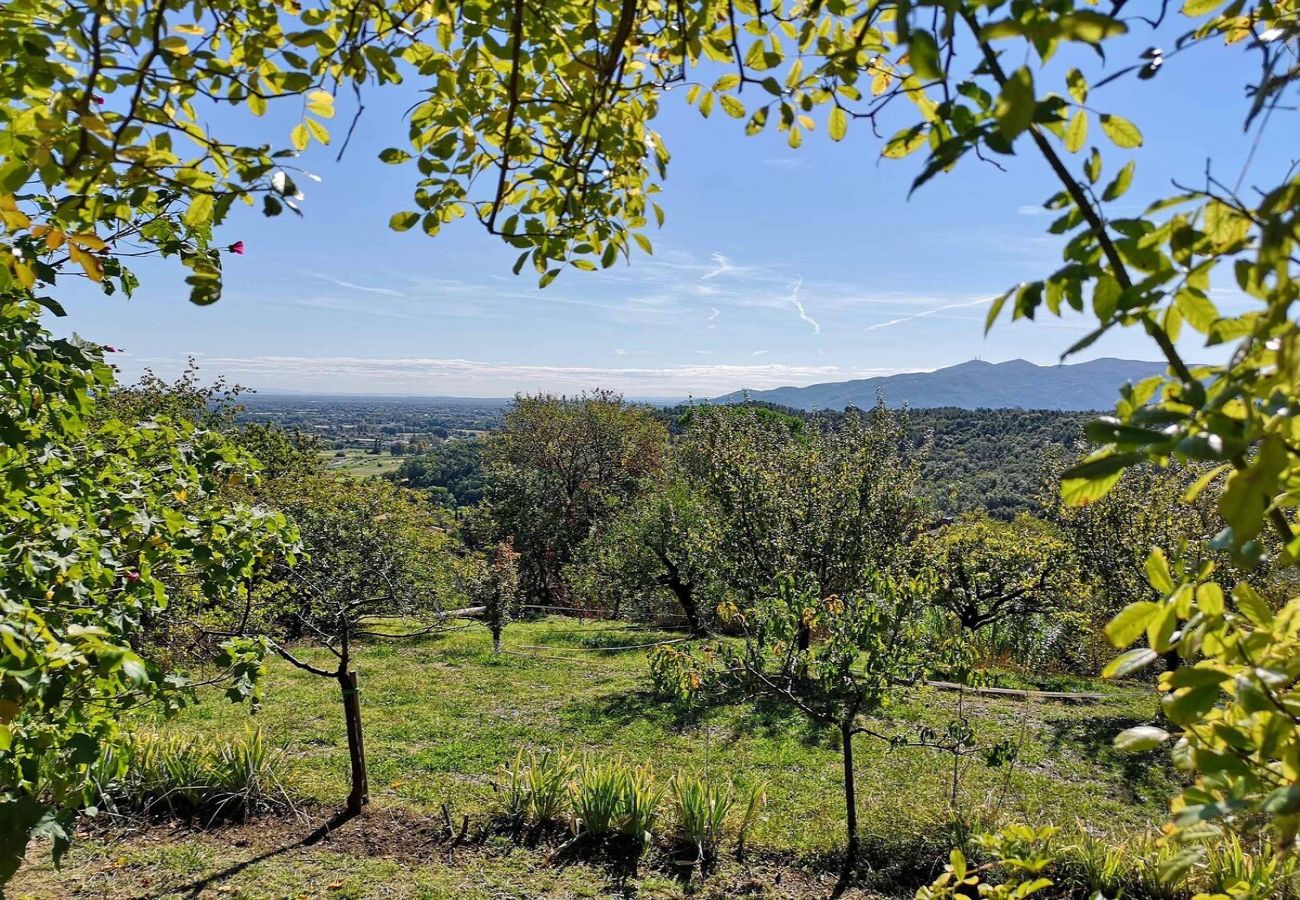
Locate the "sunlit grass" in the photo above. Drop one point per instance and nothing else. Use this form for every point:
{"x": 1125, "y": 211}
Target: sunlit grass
{"x": 443, "y": 716}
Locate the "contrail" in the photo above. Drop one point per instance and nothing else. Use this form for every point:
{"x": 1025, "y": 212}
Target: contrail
{"x": 927, "y": 312}
{"x": 798, "y": 305}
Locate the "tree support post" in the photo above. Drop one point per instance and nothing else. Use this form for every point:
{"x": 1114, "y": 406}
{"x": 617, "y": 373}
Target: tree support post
{"x": 359, "y": 794}
{"x": 850, "y": 810}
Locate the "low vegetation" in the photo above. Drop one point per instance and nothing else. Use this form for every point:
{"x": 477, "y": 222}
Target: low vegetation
{"x": 447, "y": 720}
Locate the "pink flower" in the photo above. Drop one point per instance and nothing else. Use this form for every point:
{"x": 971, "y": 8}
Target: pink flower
{"x": 109, "y": 349}
{"x": 237, "y": 247}
{"x": 133, "y": 577}
{"x": 99, "y": 101}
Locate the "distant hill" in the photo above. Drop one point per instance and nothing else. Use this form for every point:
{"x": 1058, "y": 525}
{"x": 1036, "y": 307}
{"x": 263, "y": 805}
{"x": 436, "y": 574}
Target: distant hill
{"x": 1017, "y": 384}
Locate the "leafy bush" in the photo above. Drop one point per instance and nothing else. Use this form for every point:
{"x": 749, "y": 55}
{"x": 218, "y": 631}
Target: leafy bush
{"x": 187, "y": 776}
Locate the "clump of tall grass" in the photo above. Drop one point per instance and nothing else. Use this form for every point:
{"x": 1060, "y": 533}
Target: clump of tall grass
{"x": 189, "y": 776}
{"x": 535, "y": 789}
{"x": 639, "y": 810}
{"x": 1232, "y": 869}
{"x": 598, "y": 794}
{"x": 704, "y": 807}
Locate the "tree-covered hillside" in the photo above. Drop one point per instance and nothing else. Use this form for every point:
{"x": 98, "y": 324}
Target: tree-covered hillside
{"x": 999, "y": 460}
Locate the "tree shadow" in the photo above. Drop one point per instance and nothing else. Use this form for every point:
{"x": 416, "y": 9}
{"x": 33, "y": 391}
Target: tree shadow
{"x": 315, "y": 836}
{"x": 1095, "y": 736}
{"x": 763, "y": 715}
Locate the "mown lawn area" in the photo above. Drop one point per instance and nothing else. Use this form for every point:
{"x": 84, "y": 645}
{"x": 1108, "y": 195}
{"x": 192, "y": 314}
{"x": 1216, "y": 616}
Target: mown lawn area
{"x": 442, "y": 715}
{"x": 361, "y": 463}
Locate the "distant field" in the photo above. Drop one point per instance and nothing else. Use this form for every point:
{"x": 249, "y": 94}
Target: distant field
{"x": 361, "y": 463}
{"x": 442, "y": 715}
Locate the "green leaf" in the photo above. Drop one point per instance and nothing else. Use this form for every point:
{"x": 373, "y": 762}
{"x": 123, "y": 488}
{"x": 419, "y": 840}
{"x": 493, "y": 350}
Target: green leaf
{"x": 1131, "y": 621}
{"x": 403, "y": 221}
{"x": 923, "y": 54}
{"x": 1157, "y": 569}
{"x": 905, "y": 142}
{"x": 732, "y": 106}
{"x": 1120, "y": 185}
{"x": 1127, "y": 663}
{"x": 1014, "y": 109}
{"x": 1121, "y": 131}
{"x": 1140, "y": 738}
{"x": 995, "y": 309}
{"x": 1092, "y": 479}
{"x": 1090, "y": 27}
{"x": 838, "y": 125}
{"x": 1092, "y": 166}
{"x": 1209, "y": 599}
{"x": 1200, "y": 7}
{"x": 1077, "y": 86}
{"x": 318, "y": 131}
{"x": 174, "y": 45}
{"x": 1252, "y": 605}
{"x": 321, "y": 103}
{"x": 1191, "y": 704}
{"x": 200, "y": 211}
{"x": 1076, "y": 133}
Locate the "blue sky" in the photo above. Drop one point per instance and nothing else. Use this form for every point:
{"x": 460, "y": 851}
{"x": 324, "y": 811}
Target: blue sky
{"x": 774, "y": 266}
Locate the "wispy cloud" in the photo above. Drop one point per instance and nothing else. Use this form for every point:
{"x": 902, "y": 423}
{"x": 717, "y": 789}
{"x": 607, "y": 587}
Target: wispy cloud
{"x": 926, "y": 313}
{"x": 352, "y": 286}
{"x": 428, "y": 375}
{"x": 798, "y": 305}
{"x": 760, "y": 353}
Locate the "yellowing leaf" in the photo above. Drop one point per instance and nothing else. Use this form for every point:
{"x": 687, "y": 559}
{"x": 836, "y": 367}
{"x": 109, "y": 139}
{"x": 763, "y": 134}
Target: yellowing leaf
{"x": 1076, "y": 132}
{"x": 177, "y": 46}
{"x": 89, "y": 263}
{"x": 299, "y": 136}
{"x": 87, "y": 241}
{"x": 1121, "y": 131}
{"x": 321, "y": 103}
{"x": 200, "y": 211}
{"x": 838, "y": 125}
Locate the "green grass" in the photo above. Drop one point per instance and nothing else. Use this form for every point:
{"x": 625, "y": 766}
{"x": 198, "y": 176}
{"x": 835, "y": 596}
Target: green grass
{"x": 361, "y": 463}
{"x": 442, "y": 715}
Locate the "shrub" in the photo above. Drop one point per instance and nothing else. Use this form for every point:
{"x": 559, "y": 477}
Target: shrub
{"x": 188, "y": 776}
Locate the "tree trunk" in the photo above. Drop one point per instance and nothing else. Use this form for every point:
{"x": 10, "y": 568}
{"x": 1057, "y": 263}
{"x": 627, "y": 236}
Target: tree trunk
{"x": 850, "y": 810}
{"x": 685, "y": 594}
{"x": 359, "y": 794}
{"x": 496, "y": 641}
{"x": 686, "y": 599}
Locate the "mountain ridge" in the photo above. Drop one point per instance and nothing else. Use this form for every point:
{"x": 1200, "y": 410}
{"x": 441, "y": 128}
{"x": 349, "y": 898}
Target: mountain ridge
{"x": 974, "y": 384}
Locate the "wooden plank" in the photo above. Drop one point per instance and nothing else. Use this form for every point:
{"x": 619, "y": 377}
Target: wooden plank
{"x": 1064, "y": 696}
